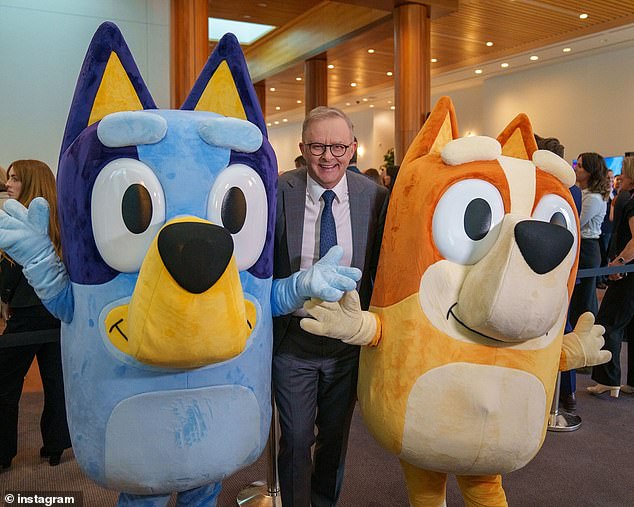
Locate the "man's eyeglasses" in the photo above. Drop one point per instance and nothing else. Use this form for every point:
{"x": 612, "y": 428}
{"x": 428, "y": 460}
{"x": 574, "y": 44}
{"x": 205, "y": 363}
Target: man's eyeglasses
{"x": 337, "y": 150}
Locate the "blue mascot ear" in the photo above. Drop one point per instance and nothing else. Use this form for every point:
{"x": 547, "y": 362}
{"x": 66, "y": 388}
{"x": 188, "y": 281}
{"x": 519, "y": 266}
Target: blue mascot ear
{"x": 109, "y": 81}
{"x": 224, "y": 85}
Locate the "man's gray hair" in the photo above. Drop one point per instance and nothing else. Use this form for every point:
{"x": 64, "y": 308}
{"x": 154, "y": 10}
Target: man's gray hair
{"x": 322, "y": 113}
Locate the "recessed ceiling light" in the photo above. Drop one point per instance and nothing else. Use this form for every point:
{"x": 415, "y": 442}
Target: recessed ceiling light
{"x": 268, "y": 124}
{"x": 583, "y": 16}
{"x": 277, "y": 108}
{"x": 389, "y": 101}
{"x": 371, "y": 105}
{"x": 389, "y": 73}
{"x": 489, "y": 43}
{"x": 392, "y": 108}
{"x": 272, "y": 89}
{"x": 331, "y": 66}
{"x": 365, "y": 100}
{"x": 262, "y": 4}
{"x": 534, "y": 58}
{"x": 276, "y": 122}
{"x": 567, "y": 50}
{"x": 504, "y": 65}
{"x": 347, "y": 103}
{"x": 478, "y": 71}
{"x": 284, "y": 120}
{"x": 370, "y": 51}
{"x": 299, "y": 101}
{"x": 246, "y": 16}
{"x": 298, "y": 78}
{"x": 353, "y": 84}
{"x": 434, "y": 60}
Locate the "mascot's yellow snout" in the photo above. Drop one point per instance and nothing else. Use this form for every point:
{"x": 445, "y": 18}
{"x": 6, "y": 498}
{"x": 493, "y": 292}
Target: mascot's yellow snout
{"x": 187, "y": 309}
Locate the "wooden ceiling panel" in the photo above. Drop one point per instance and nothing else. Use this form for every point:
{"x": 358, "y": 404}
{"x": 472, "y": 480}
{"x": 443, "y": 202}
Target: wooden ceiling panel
{"x": 457, "y": 39}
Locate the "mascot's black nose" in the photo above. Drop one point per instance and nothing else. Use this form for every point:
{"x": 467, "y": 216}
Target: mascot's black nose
{"x": 195, "y": 254}
{"x": 543, "y": 245}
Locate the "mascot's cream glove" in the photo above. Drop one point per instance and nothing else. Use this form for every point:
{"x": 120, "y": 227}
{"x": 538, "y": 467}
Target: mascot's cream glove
{"x": 343, "y": 320}
{"x": 582, "y": 347}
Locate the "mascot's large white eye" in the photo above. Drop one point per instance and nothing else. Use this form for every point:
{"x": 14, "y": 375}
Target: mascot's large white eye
{"x": 238, "y": 202}
{"x": 556, "y": 210}
{"x": 127, "y": 209}
{"x": 466, "y": 219}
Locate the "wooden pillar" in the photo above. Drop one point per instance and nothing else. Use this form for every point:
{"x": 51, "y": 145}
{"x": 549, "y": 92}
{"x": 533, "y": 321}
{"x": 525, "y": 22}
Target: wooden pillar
{"x": 260, "y": 91}
{"x": 412, "y": 93}
{"x": 316, "y": 82}
{"x": 189, "y": 41}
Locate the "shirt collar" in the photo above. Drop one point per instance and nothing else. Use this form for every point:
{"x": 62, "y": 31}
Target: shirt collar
{"x": 314, "y": 189}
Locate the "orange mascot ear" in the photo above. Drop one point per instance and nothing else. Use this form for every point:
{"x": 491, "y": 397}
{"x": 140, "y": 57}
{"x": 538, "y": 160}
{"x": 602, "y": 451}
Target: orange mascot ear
{"x": 517, "y": 139}
{"x": 440, "y": 128}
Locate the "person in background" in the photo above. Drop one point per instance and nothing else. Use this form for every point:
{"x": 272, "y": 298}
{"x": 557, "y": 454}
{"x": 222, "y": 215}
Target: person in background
{"x": 374, "y": 175}
{"x": 352, "y": 166}
{"x": 24, "y": 313}
{"x": 300, "y": 162}
{"x": 617, "y": 308}
{"x": 315, "y": 377}
{"x": 3, "y": 186}
{"x": 592, "y": 178}
{"x": 606, "y": 233}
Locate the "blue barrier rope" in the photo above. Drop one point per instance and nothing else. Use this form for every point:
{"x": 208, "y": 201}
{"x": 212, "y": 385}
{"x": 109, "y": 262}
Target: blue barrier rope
{"x": 589, "y": 272}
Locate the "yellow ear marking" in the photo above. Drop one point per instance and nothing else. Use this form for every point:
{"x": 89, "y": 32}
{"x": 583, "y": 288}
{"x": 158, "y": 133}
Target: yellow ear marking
{"x": 444, "y": 135}
{"x": 115, "y": 92}
{"x": 515, "y": 147}
{"x": 221, "y": 95}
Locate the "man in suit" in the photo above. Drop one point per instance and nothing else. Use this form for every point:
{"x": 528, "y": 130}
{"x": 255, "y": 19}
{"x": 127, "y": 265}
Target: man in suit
{"x": 315, "y": 377}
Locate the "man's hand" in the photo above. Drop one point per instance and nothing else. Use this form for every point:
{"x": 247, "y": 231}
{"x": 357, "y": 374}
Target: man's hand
{"x": 326, "y": 280}
{"x": 582, "y": 347}
{"x": 343, "y": 320}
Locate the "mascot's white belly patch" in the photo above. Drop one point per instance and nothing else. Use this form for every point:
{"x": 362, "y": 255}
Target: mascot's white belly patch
{"x": 157, "y": 442}
{"x": 474, "y": 419}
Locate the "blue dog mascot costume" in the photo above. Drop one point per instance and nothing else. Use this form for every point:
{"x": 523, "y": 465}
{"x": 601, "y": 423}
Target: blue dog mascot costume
{"x": 167, "y": 219}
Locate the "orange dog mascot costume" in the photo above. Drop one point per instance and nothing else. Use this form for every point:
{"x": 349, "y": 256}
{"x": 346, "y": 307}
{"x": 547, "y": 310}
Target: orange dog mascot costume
{"x": 477, "y": 265}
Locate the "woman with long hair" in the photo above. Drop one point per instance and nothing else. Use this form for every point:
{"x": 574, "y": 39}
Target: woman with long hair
{"x": 25, "y": 313}
{"x": 592, "y": 178}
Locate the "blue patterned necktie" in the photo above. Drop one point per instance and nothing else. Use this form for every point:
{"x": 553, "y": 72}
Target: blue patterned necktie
{"x": 327, "y": 229}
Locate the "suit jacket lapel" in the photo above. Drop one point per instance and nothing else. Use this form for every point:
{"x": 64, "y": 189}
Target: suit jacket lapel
{"x": 359, "y": 218}
{"x": 294, "y": 207}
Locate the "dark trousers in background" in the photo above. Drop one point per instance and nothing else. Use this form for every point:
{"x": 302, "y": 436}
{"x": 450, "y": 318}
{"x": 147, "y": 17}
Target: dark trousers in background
{"x": 616, "y": 314}
{"x": 584, "y": 295}
{"x": 14, "y": 365}
{"x": 315, "y": 382}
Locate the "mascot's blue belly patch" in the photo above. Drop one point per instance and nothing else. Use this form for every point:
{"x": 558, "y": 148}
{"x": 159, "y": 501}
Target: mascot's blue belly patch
{"x": 163, "y": 441}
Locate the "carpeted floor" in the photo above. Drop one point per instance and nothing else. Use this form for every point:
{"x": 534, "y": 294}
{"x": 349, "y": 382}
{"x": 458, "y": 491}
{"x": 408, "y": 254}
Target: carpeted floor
{"x": 593, "y": 466}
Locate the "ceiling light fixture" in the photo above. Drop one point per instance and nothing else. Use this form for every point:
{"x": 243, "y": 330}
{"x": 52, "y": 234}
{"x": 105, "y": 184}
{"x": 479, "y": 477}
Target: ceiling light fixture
{"x": 489, "y": 43}
{"x": 277, "y": 108}
{"x": 583, "y": 16}
{"x": 389, "y": 73}
{"x": 371, "y": 105}
{"x": 371, "y": 51}
{"x": 331, "y": 66}
{"x": 299, "y": 101}
{"x": 276, "y": 122}
{"x": 353, "y": 84}
{"x": 272, "y": 89}
{"x": 478, "y": 71}
{"x": 284, "y": 120}
{"x": 567, "y": 50}
{"x": 534, "y": 58}
{"x": 392, "y": 108}
{"x": 365, "y": 100}
{"x": 298, "y": 78}
{"x": 347, "y": 103}
{"x": 504, "y": 65}
{"x": 434, "y": 60}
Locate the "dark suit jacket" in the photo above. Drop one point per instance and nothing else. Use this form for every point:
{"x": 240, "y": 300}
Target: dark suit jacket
{"x": 368, "y": 206}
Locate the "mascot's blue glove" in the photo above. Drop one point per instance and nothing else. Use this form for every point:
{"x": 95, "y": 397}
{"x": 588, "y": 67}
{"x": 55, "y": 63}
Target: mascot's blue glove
{"x": 24, "y": 237}
{"x": 324, "y": 280}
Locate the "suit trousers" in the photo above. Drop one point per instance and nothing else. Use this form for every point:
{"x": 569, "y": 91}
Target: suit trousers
{"x": 14, "y": 364}
{"x": 615, "y": 314}
{"x": 315, "y": 382}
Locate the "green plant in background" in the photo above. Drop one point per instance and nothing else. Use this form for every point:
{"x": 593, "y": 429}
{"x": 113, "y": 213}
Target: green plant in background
{"x": 388, "y": 161}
